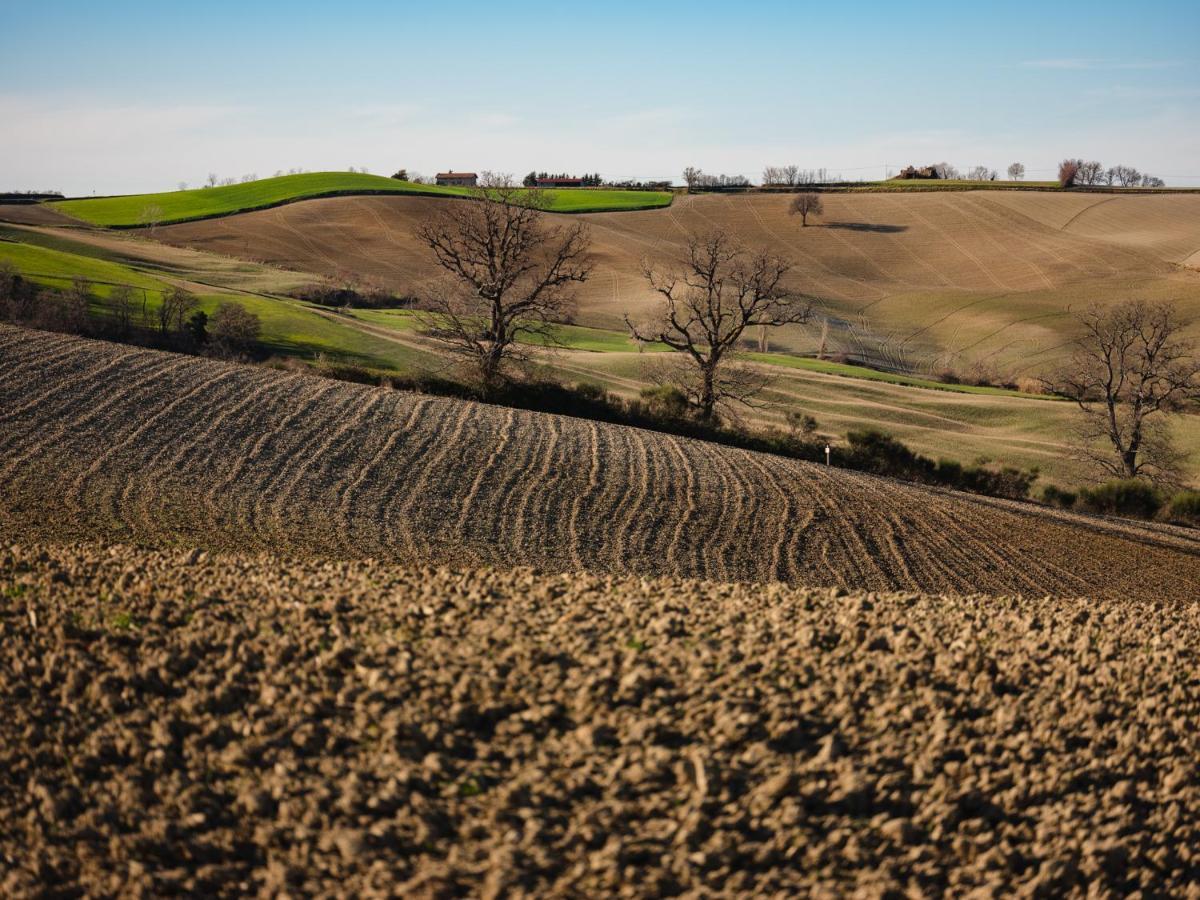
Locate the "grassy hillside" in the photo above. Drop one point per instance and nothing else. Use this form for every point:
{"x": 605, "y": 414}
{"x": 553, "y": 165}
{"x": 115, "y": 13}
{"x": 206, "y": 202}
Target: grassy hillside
{"x": 288, "y": 327}
{"x": 205, "y": 203}
{"x": 248, "y": 458}
{"x": 959, "y": 422}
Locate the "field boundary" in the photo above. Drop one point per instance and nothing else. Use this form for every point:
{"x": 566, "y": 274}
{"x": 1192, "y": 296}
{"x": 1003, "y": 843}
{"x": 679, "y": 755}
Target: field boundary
{"x": 328, "y": 194}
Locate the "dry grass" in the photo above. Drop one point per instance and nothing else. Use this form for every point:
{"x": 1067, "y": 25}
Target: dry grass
{"x": 918, "y": 281}
{"x": 233, "y": 726}
{"x": 103, "y": 440}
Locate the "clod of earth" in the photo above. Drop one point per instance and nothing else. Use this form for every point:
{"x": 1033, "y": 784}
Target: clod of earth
{"x": 357, "y": 729}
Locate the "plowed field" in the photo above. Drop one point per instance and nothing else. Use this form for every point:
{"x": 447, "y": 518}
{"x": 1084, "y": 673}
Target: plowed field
{"x": 180, "y": 724}
{"x": 101, "y": 439}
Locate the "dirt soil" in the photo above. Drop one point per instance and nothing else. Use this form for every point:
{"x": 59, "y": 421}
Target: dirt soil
{"x": 99, "y": 440}
{"x": 172, "y": 721}
{"x": 34, "y": 214}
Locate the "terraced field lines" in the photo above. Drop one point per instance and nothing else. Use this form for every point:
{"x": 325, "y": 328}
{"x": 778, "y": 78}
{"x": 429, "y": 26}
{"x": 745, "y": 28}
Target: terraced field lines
{"x": 580, "y": 498}
{"x": 81, "y": 409}
{"x": 112, "y": 448}
{"x": 348, "y": 512}
{"x": 463, "y": 415}
{"x": 527, "y": 480}
{"x": 352, "y": 413}
{"x": 689, "y": 494}
{"x": 468, "y": 502}
{"x": 300, "y": 407}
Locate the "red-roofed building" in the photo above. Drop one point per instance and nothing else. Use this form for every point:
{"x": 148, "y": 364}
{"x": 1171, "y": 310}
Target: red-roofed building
{"x": 458, "y": 179}
{"x": 560, "y": 182}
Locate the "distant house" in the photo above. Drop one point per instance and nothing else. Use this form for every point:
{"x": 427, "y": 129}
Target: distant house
{"x": 458, "y": 179}
{"x": 559, "y": 182}
{"x": 925, "y": 172}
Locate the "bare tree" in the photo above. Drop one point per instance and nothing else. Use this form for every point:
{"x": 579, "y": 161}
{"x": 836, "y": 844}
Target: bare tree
{"x": 151, "y": 215}
{"x": 234, "y": 328}
{"x": 773, "y": 175}
{"x": 74, "y": 306}
{"x": 709, "y": 299}
{"x": 1128, "y": 176}
{"x": 18, "y": 297}
{"x": 692, "y": 176}
{"x": 805, "y": 205}
{"x": 183, "y": 185}
{"x": 1016, "y": 172}
{"x": 1130, "y": 368}
{"x": 1068, "y": 171}
{"x": 212, "y": 179}
{"x": 174, "y": 309}
{"x": 945, "y": 171}
{"x": 1090, "y": 173}
{"x": 510, "y": 274}
{"x": 120, "y": 302}
{"x": 791, "y": 175}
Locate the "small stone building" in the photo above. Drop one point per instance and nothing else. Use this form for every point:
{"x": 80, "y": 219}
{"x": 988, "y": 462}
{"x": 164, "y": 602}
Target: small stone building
{"x": 458, "y": 179}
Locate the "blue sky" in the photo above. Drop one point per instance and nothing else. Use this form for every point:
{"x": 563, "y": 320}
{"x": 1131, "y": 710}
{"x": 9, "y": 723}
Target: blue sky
{"x": 130, "y": 96}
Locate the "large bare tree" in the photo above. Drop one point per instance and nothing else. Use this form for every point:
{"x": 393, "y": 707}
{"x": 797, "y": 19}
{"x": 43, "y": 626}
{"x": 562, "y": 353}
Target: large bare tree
{"x": 510, "y": 273}
{"x": 805, "y": 204}
{"x": 717, "y": 291}
{"x": 1130, "y": 367}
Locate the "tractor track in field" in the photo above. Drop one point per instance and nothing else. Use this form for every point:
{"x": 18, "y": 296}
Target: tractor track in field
{"x": 163, "y": 448}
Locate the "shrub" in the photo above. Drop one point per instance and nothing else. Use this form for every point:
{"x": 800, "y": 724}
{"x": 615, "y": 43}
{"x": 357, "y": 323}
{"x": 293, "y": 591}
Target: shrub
{"x": 1184, "y": 509}
{"x": 876, "y": 451}
{"x": 1058, "y": 497}
{"x": 1068, "y": 172}
{"x": 591, "y": 391}
{"x": 666, "y": 401}
{"x": 1123, "y": 497}
{"x": 801, "y": 422}
{"x": 234, "y": 327}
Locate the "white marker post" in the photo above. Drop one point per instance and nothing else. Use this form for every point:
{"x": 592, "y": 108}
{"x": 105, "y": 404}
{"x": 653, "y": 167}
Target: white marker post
{"x": 826, "y": 454}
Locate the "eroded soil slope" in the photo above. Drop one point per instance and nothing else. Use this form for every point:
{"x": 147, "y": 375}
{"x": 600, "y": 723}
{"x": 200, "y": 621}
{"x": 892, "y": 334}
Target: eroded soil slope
{"x": 231, "y": 726}
{"x": 99, "y": 439}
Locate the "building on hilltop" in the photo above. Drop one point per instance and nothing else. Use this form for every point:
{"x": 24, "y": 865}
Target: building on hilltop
{"x": 457, "y": 179}
{"x": 925, "y": 172}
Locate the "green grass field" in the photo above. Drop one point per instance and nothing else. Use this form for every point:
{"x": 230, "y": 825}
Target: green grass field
{"x": 568, "y": 337}
{"x": 184, "y": 206}
{"x": 290, "y": 328}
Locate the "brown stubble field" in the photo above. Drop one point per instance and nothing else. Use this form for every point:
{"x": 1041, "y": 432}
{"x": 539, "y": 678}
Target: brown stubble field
{"x": 919, "y": 281}
{"x": 101, "y": 440}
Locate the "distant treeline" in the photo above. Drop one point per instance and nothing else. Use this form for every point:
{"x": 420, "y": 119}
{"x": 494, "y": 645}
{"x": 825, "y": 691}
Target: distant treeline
{"x": 29, "y": 196}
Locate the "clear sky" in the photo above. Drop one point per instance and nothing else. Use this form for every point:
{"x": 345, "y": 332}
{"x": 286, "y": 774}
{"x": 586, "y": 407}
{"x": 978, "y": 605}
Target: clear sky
{"x": 124, "y": 95}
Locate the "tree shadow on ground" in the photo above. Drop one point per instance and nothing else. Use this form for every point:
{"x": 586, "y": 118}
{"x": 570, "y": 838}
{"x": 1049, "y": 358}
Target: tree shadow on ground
{"x": 867, "y": 226}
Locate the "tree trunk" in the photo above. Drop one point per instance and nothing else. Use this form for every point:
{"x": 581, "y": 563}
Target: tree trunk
{"x": 708, "y": 395}
{"x": 1129, "y": 463}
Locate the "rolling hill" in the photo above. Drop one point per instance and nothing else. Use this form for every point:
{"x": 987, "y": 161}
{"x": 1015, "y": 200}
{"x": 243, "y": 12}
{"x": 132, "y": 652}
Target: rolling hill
{"x": 918, "y": 282}
{"x": 134, "y": 210}
{"x": 103, "y": 440}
